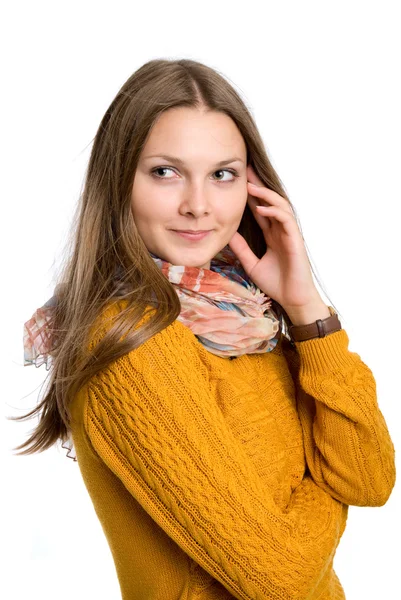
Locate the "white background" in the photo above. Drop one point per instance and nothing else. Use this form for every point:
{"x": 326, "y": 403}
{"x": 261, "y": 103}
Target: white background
{"x": 322, "y": 80}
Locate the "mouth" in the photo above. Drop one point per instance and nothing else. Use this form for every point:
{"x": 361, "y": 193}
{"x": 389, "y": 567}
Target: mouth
{"x": 192, "y": 235}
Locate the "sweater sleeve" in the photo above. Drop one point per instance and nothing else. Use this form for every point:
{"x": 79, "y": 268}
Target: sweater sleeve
{"x": 348, "y": 448}
{"x": 152, "y": 418}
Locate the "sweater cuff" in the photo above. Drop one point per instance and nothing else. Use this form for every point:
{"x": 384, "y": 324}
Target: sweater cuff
{"x": 318, "y": 356}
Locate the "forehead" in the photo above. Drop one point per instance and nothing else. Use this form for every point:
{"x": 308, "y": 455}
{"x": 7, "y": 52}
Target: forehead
{"x": 189, "y": 134}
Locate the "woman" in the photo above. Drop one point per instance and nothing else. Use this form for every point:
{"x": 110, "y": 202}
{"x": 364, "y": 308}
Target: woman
{"x": 211, "y": 477}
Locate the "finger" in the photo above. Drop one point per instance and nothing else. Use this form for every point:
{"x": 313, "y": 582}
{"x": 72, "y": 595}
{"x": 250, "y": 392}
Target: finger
{"x": 269, "y": 196}
{"x": 261, "y": 220}
{"x": 242, "y": 250}
{"x": 280, "y": 215}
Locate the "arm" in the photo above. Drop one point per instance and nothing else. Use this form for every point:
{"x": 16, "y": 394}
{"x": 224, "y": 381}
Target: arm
{"x": 348, "y": 447}
{"x": 152, "y": 419}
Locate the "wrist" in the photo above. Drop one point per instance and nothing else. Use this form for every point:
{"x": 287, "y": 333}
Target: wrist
{"x": 308, "y": 314}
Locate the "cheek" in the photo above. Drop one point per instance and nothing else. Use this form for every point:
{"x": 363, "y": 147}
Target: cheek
{"x": 238, "y": 213}
{"x": 236, "y": 209}
{"x": 148, "y": 203}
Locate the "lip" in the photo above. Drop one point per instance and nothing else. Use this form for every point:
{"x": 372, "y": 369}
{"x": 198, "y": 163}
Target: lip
{"x": 191, "y": 235}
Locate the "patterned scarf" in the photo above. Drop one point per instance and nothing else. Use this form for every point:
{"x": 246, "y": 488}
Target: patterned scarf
{"x": 224, "y": 309}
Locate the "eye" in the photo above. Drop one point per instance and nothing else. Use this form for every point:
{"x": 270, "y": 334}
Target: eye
{"x": 232, "y": 171}
{"x": 153, "y": 171}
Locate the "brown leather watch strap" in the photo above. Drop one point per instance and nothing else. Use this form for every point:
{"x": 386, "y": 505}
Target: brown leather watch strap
{"x": 320, "y": 328}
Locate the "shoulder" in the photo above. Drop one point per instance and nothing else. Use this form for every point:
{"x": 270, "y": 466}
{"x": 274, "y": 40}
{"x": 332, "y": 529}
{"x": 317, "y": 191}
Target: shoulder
{"x": 113, "y": 312}
{"x": 173, "y": 342}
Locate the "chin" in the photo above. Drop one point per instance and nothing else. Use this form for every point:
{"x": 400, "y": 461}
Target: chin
{"x": 187, "y": 262}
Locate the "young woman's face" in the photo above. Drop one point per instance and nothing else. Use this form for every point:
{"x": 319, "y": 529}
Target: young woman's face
{"x": 195, "y": 194}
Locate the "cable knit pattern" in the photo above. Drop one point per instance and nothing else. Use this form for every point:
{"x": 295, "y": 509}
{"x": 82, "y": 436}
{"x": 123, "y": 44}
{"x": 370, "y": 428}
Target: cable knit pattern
{"x": 219, "y": 479}
{"x": 348, "y": 449}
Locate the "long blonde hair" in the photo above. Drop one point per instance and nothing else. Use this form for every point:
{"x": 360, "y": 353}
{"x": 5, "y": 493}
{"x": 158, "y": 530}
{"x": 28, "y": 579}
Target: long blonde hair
{"x": 104, "y": 236}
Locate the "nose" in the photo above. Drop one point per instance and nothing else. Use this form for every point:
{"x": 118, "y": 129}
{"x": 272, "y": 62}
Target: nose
{"x": 195, "y": 201}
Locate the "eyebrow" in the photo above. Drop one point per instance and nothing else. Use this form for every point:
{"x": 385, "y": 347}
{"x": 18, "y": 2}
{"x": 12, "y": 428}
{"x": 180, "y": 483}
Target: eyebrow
{"x": 181, "y": 162}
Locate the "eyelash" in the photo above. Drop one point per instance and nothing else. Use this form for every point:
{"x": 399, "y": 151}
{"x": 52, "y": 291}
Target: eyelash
{"x": 233, "y": 171}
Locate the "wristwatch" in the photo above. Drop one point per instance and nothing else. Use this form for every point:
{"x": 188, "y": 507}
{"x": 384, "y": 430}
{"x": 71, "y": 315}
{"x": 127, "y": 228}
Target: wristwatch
{"x": 320, "y": 328}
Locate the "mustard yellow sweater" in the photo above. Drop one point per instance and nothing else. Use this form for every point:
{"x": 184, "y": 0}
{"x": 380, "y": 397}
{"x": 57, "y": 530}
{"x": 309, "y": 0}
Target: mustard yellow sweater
{"x": 215, "y": 478}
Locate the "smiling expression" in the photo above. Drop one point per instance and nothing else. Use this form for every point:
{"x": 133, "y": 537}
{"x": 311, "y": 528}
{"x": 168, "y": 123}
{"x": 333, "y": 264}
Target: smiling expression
{"x": 191, "y": 175}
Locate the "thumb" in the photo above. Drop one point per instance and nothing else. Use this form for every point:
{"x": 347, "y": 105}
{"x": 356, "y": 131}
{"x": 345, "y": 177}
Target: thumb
{"x": 243, "y": 252}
